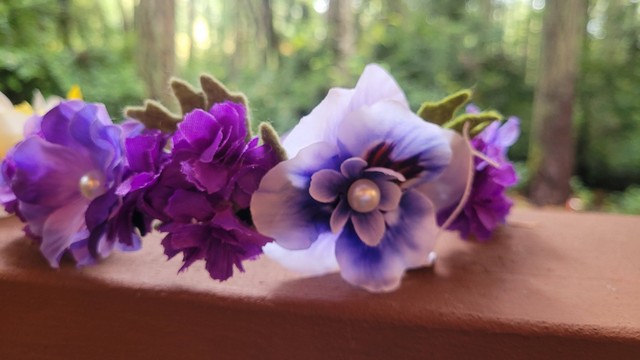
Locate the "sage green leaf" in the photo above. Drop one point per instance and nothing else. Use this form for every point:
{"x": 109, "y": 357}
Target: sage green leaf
{"x": 477, "y": 121}
{"x": 270, "y": 137}
{"x": 443, "y": 111}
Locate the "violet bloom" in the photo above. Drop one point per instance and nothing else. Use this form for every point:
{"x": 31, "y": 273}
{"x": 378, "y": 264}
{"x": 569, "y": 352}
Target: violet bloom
{"x": 488, "y": 204}
{"x": 64, "y": 177}
{"x": 349, "y": 196}
{"x": 7, "y": 197}
{"x": 201, "y": 192}
{"x": 145, "y": 158}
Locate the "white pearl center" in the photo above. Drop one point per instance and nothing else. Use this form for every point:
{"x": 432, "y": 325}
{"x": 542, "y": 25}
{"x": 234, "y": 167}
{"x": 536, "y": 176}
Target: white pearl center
{"x": 92, "y": 185}
{"x": 363, "y": 196}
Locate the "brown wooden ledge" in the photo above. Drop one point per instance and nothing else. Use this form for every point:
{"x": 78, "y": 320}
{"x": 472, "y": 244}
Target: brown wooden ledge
{"x": 550, "y": 285}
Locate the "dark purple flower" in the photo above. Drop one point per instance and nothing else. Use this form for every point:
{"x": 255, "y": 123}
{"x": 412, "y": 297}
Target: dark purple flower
{"x": 222, "y": 242}
{"x": 202, "y": 189}
{"x": 145, "y": 157}
{"x": 7, "y": 197}
{"x": 64, "y": 177}
{"x": 488, "y": 204}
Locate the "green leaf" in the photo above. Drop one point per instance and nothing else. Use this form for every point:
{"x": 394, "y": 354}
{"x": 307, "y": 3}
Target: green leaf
{"x": 477, "y": 121}
{"x": 442, "y": 111}
{"x": 270, "y": 137}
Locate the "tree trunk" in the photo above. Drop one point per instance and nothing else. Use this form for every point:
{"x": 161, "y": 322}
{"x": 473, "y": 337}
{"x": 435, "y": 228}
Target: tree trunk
{"x": 552, "y": 154}
{"x": 155, "y": 25}
{"x": 341, "y": 34}
{"x": 273, "y": 42}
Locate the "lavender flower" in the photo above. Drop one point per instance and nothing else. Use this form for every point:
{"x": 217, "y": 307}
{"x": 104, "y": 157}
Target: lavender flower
{"x": 64, "y": 177}
{"x": 201, "y": 191}
{"x": 349, "y": 195}
{"x": 488, "y": 205}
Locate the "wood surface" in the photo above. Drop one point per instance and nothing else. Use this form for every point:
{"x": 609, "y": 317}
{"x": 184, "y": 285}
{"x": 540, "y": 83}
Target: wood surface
{"x": 551, "y": 284}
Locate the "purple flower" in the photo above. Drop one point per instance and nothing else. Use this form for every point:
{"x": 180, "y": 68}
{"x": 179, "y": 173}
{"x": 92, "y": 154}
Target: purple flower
{"x": 488, "y": 205}
{"x": 7, "y": 197}
{"x": 202, "y": 189}
{"x": 349, "y": 196}
{"x": 64, "y": 177}
{"x": 145, "y": 157}
{"x": 223, "y": 242}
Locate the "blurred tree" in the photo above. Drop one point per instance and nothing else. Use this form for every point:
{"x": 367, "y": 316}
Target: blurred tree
{"x": 551, "y": 156}
{"x": 155, "y": 24}
{"x": 341, "y": 33}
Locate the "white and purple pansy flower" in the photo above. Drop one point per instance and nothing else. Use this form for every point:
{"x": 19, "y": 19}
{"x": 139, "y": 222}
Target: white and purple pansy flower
{"x": 349, "y": 198}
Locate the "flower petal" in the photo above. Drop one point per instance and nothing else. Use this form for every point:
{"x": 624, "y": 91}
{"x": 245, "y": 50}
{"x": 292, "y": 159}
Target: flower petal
{"x": 376, "y": 269}
{"x": 391, "y": 194}
{"x": 376, "y": 84}
{"x": 508, "y": 133}
{"x": 340, "y": 216}
{"x": 326, "y": 185}
{"x": 447, "y": 189}
{"x": 60, "y": 228}
{"x": 318, "y": 259}
{"x": 369, "y": 227}
{"x": 410, "y": 137}
{"x": 46, "y": 174}
{"x": 352, "y": 168}
{"x": 186, "y": 205}
{"x": 409, "y": 238}
{"x": 321, "y": 123}
{"x": 282, "y": 208}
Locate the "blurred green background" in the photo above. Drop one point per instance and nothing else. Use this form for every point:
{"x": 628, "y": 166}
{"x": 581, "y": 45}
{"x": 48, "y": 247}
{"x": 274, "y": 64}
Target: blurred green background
{"x": 286, "y": 54}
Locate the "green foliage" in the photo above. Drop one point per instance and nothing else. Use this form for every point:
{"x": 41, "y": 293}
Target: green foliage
{"x": 627, "y": 202}
{"x": 35, "y": 55}
{"x": 442, "y": 111}
{"x": 433, "y": 48}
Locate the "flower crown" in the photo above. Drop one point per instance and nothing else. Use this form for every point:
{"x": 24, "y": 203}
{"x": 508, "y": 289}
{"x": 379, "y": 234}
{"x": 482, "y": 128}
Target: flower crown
{"x": 362, "y": 185}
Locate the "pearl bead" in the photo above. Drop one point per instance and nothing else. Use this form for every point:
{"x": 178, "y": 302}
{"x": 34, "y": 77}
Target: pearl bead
{"x": 92, "y": 185}
{"x": 363, "y": 196}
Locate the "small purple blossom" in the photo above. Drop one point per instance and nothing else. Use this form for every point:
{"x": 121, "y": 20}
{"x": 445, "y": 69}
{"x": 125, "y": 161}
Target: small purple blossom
{"x": 351, "y": 188}
{"x": 63, "y": 177}
{"x": 202, "y": 189}
{"x": 488, "y": 204}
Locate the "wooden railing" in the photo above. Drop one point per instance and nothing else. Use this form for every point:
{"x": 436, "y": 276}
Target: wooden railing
{"x": 549, "y": 285}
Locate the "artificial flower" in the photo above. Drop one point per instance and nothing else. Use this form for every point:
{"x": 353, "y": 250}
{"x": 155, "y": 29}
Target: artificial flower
{"x": 488, "y": 204}
{"x": 351, "y": 188}
{"x": 64, "y": 178}
{"x": 201, "y": 191}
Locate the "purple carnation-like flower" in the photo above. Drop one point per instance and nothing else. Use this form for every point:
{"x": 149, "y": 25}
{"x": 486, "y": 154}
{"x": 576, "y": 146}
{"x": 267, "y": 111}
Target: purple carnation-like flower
{"x": 488, "y": 204}
{"x": 64, "y": 177}
{"x": 350, "y": 196}
{"x": 201, "y": 190}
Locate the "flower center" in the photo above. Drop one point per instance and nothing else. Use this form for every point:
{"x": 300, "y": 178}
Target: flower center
{"x": 363, "y": 196}
{"x": 92, "y": 185}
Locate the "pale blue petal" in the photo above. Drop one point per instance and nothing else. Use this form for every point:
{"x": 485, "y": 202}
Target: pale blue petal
{"x": 321, "y": 123}
{"x": 409, "y": 238}
{"x": 376, "y": 84}
{"x": 317, "y": 260}
{"x": 282, "y": 207}
{"x": 408, "y": 134}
